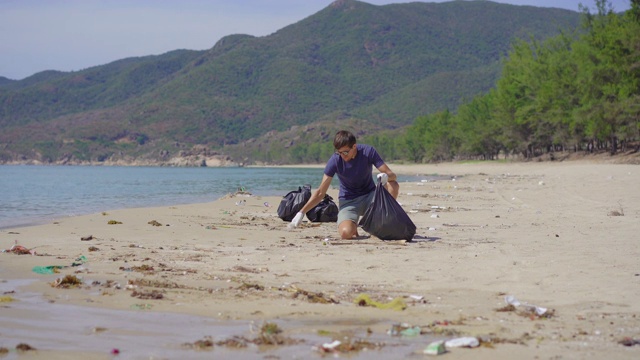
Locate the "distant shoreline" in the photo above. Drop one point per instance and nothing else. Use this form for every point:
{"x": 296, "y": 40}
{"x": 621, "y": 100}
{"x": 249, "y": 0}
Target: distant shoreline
{"x": 629, "y": 157}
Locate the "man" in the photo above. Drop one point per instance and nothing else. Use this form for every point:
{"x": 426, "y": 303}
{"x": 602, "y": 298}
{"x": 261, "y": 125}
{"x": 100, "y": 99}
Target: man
{"x": 352, "y": 162}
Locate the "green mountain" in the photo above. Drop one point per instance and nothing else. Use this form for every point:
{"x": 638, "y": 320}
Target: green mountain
{"x": 382, "y": 66}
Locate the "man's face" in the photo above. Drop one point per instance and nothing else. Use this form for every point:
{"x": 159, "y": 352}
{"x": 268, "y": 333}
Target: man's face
{"x": 347, "y": 153}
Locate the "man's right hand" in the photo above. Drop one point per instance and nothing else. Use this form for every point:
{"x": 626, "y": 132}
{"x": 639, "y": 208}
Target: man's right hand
{"x": 296, "y": 220}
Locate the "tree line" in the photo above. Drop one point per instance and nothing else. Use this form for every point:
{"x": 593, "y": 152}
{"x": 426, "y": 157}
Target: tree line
{"x": 576, "y": 91}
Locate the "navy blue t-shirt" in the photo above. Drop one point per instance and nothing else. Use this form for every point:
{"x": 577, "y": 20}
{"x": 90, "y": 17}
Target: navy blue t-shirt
{"x": 355, "y": 175}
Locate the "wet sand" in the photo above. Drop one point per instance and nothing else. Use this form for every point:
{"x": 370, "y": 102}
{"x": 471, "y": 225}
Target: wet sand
{"x": 560, "y": 236}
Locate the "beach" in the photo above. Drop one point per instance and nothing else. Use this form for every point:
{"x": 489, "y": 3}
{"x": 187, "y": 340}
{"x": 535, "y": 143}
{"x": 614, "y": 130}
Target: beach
{"x": 560, "y": 238}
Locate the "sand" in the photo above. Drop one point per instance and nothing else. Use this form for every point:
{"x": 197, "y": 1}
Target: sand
{"x": 558, "y": 236}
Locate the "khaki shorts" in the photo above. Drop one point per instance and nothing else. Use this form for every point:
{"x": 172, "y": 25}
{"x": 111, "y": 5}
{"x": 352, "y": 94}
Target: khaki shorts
{"x": 354, "y": 208}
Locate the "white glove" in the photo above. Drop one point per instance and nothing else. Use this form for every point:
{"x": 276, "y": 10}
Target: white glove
{"x": 296, "y": 220}
{"x": 382, "y": 177}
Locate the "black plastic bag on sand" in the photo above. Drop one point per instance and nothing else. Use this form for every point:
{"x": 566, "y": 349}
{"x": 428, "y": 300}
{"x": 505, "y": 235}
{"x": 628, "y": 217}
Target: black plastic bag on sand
{"x": 385, "y": 218}
{"x": 325, "y": 211}
{"x": 293, "y": 202}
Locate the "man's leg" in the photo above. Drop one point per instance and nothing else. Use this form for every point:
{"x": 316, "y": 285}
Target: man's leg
{"x": 393, "y": 188}
{"x": 348, "y": 229}
{"x": 350, "y": 212}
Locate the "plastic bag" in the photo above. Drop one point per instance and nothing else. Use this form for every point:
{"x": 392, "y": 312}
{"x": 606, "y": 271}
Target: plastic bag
{"x": 325, "y": 211}
{"x": 386, "y": 219}
{"x": 293, "y": 202}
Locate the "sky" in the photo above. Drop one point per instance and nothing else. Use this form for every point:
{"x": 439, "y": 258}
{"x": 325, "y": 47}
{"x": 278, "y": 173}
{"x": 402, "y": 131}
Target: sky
{"x": 71, "y": 35}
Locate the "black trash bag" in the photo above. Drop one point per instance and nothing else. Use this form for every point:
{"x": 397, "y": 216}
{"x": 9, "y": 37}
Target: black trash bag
{"x": 293, "y": 202}
{"x": 385, "y": 218}
{"x": 325, "y": 211}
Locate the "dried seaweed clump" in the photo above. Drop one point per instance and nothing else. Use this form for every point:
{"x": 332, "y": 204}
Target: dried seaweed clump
{"x": 235, "y": 342}
{"x": 203, "y": 344}
{"x": 269, "y": 334}
{"x": 506, "y": 308}
{"x": 153, "y": 294}
{"x": 24, "y": 347}
{"x": 67, "y": 282}
{"x": 528, "y": 311}
{"x": 315, "y": 298}
{"x": 156, "y": 284}
{"x": 489, "y": 341}
{"x": 617, "y": 212}
{"x": 248, "y": 286}
{"x": 143, "y": 268}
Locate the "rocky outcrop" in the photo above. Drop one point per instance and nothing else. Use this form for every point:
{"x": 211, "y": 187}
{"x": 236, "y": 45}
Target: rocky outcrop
{"x": 197, "y": 156}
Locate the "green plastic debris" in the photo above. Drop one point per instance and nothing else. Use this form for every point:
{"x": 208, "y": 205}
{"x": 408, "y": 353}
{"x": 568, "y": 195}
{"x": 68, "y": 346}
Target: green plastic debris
{"x": 46, "y": 270}
{"x": 404, "y": 329}
{"x": 395, "y": 304}
{"x": 435, "y": 348}
{"x": 141, "y": 306}
{"x": 414, "y": 331}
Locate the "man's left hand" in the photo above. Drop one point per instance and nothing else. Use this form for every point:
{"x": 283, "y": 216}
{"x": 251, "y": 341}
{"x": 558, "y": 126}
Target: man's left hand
{"x": 382, "y": 177}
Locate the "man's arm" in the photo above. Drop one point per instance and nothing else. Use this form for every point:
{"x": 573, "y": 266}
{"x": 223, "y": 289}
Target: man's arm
{"x": 317, "y": 195}
{"x": 391, "y": 185}
{"x": 314, "y": 200}
{"x": 390, "y": 174}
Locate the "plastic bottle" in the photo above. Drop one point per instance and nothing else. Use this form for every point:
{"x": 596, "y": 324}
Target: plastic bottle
{"x": 462, "y": 342}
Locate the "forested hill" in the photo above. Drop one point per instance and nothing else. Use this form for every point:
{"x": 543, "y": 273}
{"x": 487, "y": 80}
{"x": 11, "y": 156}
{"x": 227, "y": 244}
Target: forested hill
{"x": 384, "y": 65}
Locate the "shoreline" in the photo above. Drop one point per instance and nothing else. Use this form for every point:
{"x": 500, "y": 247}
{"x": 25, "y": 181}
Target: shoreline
{"x": 545, "y": 233}
{"x": 600, "y": 156}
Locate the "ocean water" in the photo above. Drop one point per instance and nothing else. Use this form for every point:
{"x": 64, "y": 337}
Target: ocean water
{"x": 37, "y": 194}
